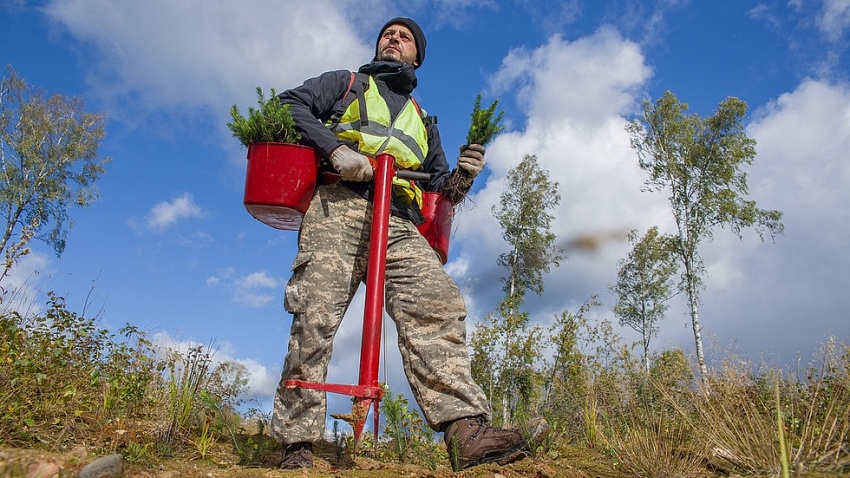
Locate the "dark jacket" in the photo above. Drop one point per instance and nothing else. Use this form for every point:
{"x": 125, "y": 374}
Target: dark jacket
{"x": 314, "y": 102}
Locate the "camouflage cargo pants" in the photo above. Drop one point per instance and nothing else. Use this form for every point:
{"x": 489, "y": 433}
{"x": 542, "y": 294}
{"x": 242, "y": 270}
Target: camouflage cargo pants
{"x": 421, "y": 298}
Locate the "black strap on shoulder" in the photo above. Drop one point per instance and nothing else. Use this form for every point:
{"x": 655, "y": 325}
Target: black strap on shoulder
{"x": 357, "y": 86}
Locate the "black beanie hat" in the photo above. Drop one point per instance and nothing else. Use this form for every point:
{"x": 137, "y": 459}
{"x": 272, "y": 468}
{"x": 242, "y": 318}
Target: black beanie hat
{"x": 418, "y": 36}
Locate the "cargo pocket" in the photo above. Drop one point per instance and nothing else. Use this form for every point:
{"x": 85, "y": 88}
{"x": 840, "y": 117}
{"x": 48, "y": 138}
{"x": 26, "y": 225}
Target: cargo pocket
{"x": 294, "y": 300}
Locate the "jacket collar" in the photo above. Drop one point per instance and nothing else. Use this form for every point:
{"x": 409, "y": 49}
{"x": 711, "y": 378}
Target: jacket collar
{"x": 399, "y": 76}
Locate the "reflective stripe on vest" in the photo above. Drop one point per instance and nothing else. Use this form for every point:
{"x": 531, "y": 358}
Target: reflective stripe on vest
{"x": 405, "y": 138}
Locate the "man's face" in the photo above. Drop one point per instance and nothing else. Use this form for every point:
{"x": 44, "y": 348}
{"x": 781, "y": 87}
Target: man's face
{"x": 397, "y": 44}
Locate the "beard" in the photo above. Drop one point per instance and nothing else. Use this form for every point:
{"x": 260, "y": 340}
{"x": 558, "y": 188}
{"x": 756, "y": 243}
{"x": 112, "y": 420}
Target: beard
{"x": 390, "y": 55}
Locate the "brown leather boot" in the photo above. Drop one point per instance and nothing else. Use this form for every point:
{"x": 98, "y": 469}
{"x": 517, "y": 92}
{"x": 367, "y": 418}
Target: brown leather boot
{"x": 297, "y": 456}
{"x": 473, "y": 441}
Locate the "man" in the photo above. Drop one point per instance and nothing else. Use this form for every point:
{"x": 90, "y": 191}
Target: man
{"x": 421, "y": 298}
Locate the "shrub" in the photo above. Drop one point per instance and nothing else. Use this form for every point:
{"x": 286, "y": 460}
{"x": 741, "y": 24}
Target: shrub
{"x": 61, "y": 375}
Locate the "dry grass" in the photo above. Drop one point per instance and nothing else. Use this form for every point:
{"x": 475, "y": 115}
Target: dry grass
{"x": 650, "y": 441}
{"x": 736, "y": 421}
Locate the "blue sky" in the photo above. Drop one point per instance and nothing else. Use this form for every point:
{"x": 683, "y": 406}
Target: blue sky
{"x": 170, "y": 248}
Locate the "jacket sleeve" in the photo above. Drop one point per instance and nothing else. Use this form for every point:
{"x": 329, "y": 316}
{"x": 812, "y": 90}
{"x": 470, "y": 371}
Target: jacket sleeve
{"x": 312, "y": 104}
{"x": 435, "y": 163}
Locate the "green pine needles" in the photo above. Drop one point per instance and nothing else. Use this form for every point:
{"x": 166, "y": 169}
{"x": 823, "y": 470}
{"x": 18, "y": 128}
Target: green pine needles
{"x": 484, "y": 127}
{"x": 271, "y": 122}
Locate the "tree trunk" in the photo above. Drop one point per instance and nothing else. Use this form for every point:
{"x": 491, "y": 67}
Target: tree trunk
{"x": 692, "y": 303}
{"x": 508, "y": 392}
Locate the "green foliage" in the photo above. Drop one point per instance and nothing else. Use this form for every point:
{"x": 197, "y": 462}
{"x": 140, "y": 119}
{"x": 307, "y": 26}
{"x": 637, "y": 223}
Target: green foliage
{"x": 136, "y": 452}
{"x": 579, "y": 377}
{"x": 48, "y": 163}
{"x": 506, "y": 355}
{"x": 816, "y": 411}
{"x": 338, "y": 441}
{"x": 484, "y": 127}
{"x": 186, "y": 374}
{"x": 198, "y": 396}
{"x": 66, "y": 382}
{"x": 740, "y": 426}
{"x": 671, "y": 370}
{"x": 568, "y": 381}
{"x": 644, "y": 284}
{"x": 59, "y": 372}
{"x": 780, "y": 430}
{"x": 700, "y": 163}
{"x": 204, "y": 441}
{"x": 270, "y": 122}
{"x": 483, "y": 341}
{"x": 408, "y": 437}
{"x": 526, "y": 222}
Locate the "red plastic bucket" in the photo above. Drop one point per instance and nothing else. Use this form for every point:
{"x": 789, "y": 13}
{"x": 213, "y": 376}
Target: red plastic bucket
{"x": 280, "y": 182}
{"x": 437, "y": 227}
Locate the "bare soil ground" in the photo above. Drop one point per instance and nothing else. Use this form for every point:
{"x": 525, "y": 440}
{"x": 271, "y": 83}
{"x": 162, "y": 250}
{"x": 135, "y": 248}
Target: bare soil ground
{"x": 570, "y": 463}
{"x": 567, "y": 462}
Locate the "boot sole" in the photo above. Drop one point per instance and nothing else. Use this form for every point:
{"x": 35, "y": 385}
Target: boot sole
{"x": 510, "y": 456}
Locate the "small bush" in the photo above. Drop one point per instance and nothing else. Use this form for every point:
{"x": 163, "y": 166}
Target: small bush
{"x": 61, "y": 376}
{"x": 407, "y": 438}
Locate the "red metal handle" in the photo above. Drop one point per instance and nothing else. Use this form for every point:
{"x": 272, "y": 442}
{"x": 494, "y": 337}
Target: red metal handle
{"x": 370, "y": 348}
{"x": 356, "y": 391}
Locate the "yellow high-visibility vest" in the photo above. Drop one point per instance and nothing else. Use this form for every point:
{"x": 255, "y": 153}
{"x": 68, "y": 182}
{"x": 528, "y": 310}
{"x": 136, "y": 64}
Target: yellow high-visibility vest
{"x": 367, "y": 121}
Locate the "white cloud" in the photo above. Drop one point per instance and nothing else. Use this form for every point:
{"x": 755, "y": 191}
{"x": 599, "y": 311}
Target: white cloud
{"x": 803, "y": 137}
{"x": 221, "y": 277}
{"x": 208, "y": 53}
{"x": 257, "y": 279}
{"x": 587, "y": 81}
{"x": 165, "y": 214}
{"x": 575, "y": 94}
{"x": 253, "y": 290}
{"x": 835, "y": 19}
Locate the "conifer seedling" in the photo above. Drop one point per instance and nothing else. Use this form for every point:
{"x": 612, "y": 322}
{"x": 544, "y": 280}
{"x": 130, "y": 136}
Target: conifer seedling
{"x": 271, "y": 122}
{"x": 484, "y": 127}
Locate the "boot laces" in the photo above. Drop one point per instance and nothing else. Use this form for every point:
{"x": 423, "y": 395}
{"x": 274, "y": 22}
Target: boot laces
{"x": 484, "y": 427}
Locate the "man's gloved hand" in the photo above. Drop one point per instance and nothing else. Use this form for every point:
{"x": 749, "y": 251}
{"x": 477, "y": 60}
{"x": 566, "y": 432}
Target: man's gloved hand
{"x": 351, "y": 165}
{"x": 471, "y": 159}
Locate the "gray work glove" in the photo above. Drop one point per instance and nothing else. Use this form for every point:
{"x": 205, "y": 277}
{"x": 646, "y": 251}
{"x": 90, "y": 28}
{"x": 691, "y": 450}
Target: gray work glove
{"x": 351, "y": 165}
{"x": 471, "y": 159}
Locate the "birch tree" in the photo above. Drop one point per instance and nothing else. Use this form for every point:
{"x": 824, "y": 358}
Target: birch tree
{"x": 699, "y": 162}
{"x": 644, "y": 284}
{"x": 523, "y": 213}
{"x": 48, "y": 163}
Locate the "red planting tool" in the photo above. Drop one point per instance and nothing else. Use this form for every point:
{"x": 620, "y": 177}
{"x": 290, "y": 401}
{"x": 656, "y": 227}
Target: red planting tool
{"x": 368, "y": 391}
